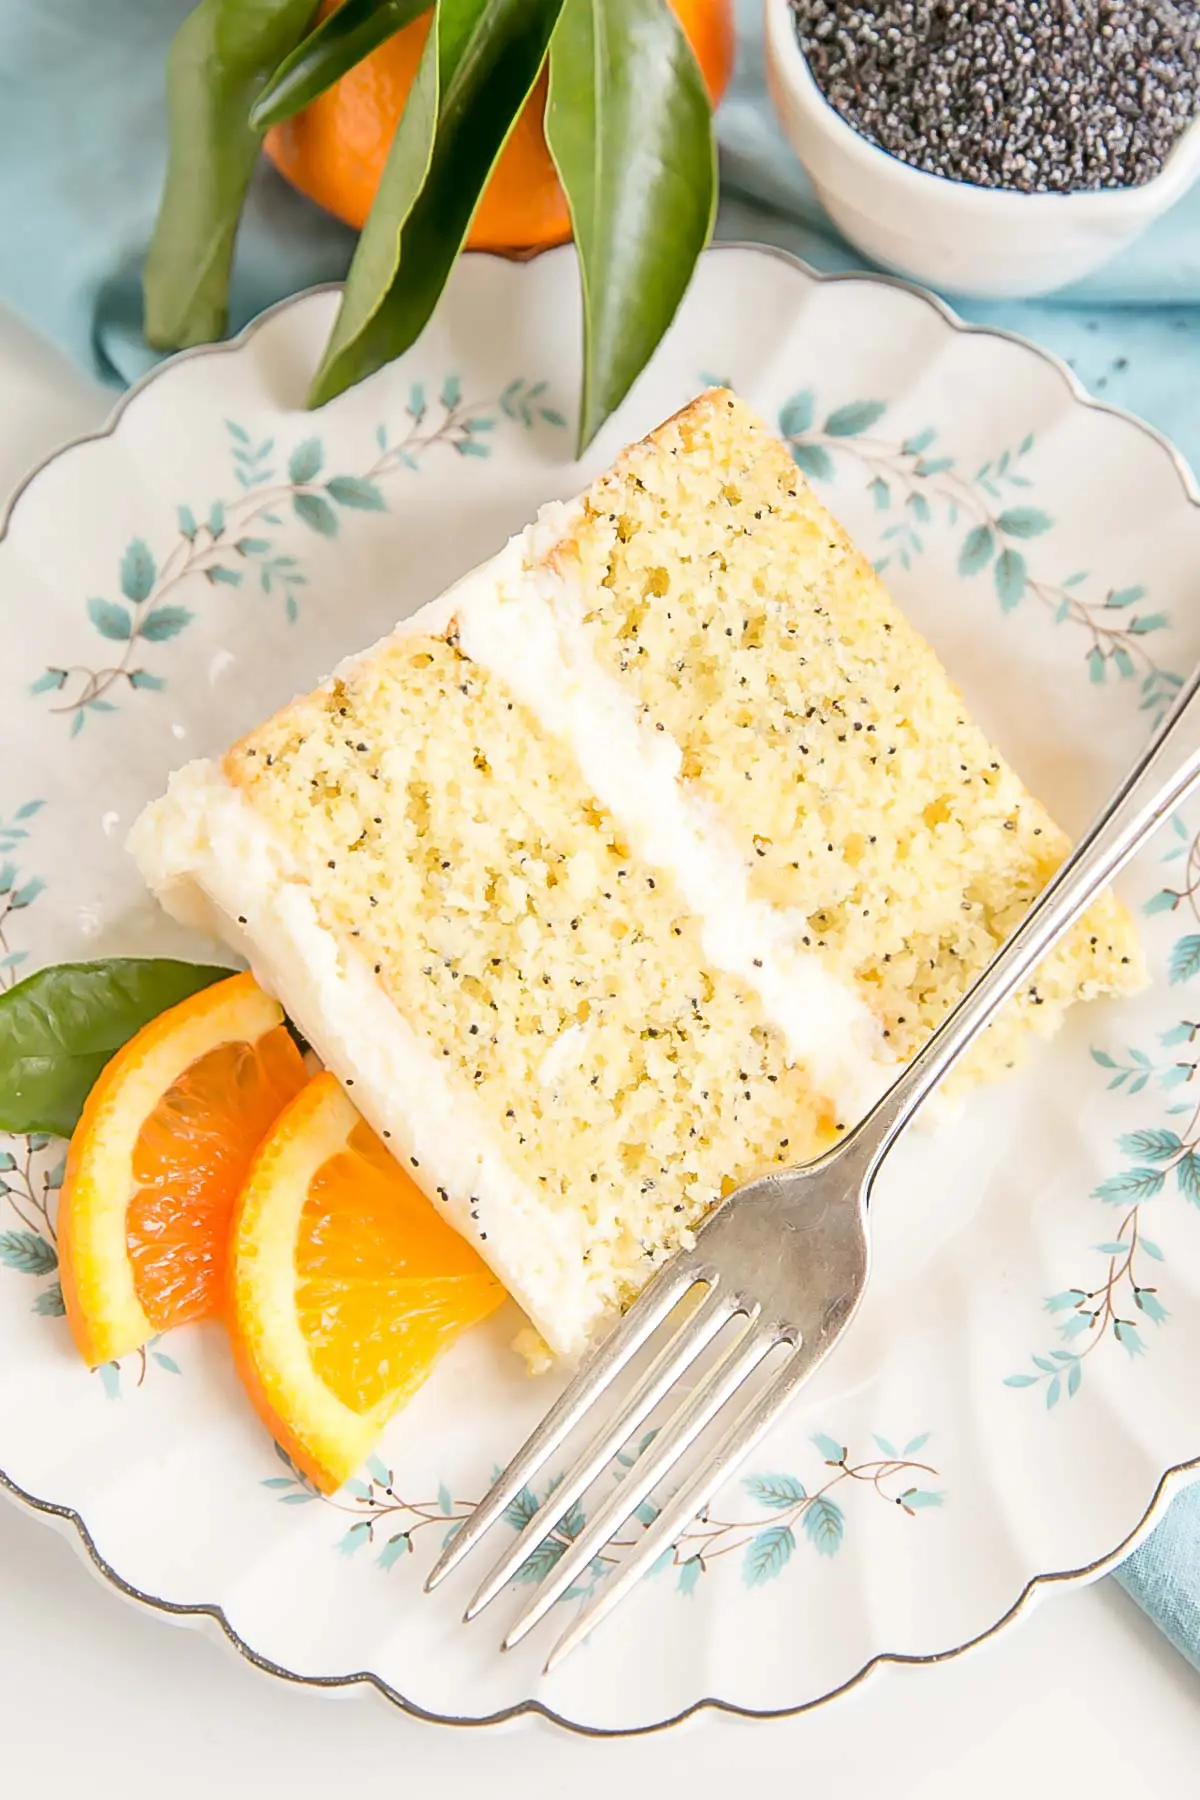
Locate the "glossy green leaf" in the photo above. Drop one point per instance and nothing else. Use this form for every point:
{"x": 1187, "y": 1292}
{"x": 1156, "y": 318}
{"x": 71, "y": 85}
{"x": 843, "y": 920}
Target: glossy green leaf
{"x": 221, "y": 56}
{"x": 630, "y": 129}
{"x": 478, "y": 67}
{"x": 59, "y": 1027}
{"x": 336, "y": 45}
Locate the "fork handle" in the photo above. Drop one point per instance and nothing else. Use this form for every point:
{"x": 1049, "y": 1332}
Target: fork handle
{"x": 1163, "y": 777}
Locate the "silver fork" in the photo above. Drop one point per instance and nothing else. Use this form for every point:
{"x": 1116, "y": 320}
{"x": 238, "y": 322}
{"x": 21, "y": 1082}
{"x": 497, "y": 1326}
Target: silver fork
{"x": 783, "y": 1262}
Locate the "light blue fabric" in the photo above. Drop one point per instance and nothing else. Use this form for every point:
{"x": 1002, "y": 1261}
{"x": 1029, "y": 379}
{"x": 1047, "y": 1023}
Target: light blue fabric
{"x": 82, "y": 136}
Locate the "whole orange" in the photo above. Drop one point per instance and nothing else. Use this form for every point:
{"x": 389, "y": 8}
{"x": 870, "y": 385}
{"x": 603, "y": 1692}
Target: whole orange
{"x": 334, "y": 151}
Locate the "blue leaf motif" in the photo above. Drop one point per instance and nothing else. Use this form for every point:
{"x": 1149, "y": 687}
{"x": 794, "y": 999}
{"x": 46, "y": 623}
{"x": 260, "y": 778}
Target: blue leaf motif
{"x": 416, "y": 400}
{"x": 28, "y": 1253}
{"x": 357, "y": 492}
{"x": 1153, "y": 1143}
{"x": 813, "y": 460}
{"x": 1103, "y": 1058}
{"x": 381, "y": 1473}
{"x": 1149, "y": 1303}
{"x": 1150, "y": 1247}
{"x": 917, "y": 1498}
{"x": 767, "y": 1554}
{"x": 1074, "y": 1379}
{"x": 316, "y": 513}
{"x": 304, "y": 464}
{"x": 1053, "y": 1394}
{"x": 690, "y": 1574}
{"x": 1125, "y": 596}
{"x": 1134, "y": 1184}
{"x": 852, "y": 420}
{"x": 142, "y": 678}
{"x": 796, "y": 414}
{"x": 187, "y": 522}
{"x": 165, "y": 622}
{"x": 1061, "y": 1302}
{"x": 775, "y": 1491}
{"x": 1009, "y": 576}
{"x": 521, "y": 1509}
{"x": 445, "y": 1503}
{"x": 646, "y": 1512}
{"x": 451, "y": 392}
{"x": 825, "y": 1526}
{"x": 1164, "y": 901}
{"x": 539, "y": 1562}
{"x": 49, "y": 1302}
{"x": 111, "y": 620}
{"x": 355, "y": 1538}
{"x": 1023, "y": 522}
{"x": 913, "y": 446}
{"x": 1187, "y": 1174}
{"x": 1185, "y": 959}
{"x": 1020, "y": 1381}
{"x": 917, "y": 1443}
{"x": 881, "y": 494}
{"x": 110, "y": 1379}
{"x": 976, "y": 552}
{"x": 830, "y": 1449}
{"x": 138, "y": 571}
{"x": 1129, "y": 1337}
{"x": 394, "y": 1549}
{"x": 167, "y": 1362}
{"x": 888, "y": 1449}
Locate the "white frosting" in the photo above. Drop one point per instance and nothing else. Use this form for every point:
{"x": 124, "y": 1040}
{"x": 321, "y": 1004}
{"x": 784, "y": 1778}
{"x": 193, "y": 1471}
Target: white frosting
{"x": 524, "y": 623}
{"x": 216, "y": 865}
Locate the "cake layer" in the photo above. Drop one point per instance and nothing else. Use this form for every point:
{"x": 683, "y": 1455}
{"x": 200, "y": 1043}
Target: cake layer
{"x": 705, "y": 578}
{"x": 448, "y": 848}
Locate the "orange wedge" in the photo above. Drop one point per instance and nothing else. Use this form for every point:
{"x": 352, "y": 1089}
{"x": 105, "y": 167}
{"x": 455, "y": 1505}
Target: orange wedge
{"x": 158, "y": 1159}
{"x": 345, "y": 1285}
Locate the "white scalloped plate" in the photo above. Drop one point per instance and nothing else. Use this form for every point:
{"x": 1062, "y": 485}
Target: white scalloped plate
{"x": 166, "y": 584}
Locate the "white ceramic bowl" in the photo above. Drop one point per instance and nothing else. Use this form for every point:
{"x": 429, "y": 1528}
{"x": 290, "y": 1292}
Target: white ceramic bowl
{"x": 953, "y": 235}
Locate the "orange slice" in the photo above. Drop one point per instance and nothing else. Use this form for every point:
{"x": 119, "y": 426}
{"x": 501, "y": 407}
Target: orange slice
{"x": 158, "y": 1159}
{"x": 345, "y": 1285}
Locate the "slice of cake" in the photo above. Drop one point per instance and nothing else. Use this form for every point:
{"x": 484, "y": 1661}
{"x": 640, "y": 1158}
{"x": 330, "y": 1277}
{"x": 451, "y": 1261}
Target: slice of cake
{"x": 629, "y": 868}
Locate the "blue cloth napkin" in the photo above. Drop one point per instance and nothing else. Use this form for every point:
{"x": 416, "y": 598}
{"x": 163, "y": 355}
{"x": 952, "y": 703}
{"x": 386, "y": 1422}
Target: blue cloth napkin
{"x": 82, "y": 144}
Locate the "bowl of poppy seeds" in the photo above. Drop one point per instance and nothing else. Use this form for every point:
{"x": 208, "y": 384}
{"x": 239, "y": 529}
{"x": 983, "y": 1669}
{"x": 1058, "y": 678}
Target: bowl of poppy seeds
{"x": 990, "y": 147}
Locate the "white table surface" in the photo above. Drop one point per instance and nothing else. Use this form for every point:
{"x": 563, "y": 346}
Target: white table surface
{"x": 95, "y": 1691}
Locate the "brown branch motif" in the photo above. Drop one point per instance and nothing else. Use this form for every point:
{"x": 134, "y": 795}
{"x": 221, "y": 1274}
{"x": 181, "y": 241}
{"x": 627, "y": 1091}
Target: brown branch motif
{"x": 241, "y": 540}
{"x": 1161, "y": 1156}
{"x": 783, "y": 1512}
{"x": 914, "y": 483}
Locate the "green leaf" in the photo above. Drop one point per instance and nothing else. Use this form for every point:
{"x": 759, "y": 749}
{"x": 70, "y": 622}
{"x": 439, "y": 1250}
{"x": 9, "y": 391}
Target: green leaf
{"x": 220, "y": 58}
{"x": 1023, "y": 522}
{"x": 165, "y": 622}
{"x": 850, "y": 421}
{"x": 304, "y": 464}
{"x": 976, "y": 552}
{"x": 338, "y": 44}
{"x": 138, "y": 572}
{"x": 445, "y": 1503}
{"x": 316, "y": 513}
{"x": 1166, "y": 900}
{"x": 1020, "y": 1381}
{"x": 629, "y": 126}
{"x": 767, "y": 1554}
{"x": 1125, "y": 596}
{"x": 354, "y": 1539}
{"x": 59, "y": 1027}
{"x": 28, "y": 1253}
{"x": 111, "y": 620}
{"x": 916, "y": 1498}
{"x": 477, "y": 69}
{"x": 356, "y": 491}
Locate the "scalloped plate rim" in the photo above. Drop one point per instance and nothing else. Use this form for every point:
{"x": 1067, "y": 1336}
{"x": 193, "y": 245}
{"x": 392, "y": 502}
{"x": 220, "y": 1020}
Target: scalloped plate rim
{"x": 201, "y": 1614}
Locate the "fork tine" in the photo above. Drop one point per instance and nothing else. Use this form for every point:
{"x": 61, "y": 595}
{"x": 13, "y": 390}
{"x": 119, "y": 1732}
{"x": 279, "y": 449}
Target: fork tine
{"x": 648, "y": 1311}
{"x": 680, "y": 1351}
{"x": 682, "y": 1429}
{"x": 691, "y": 1499}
